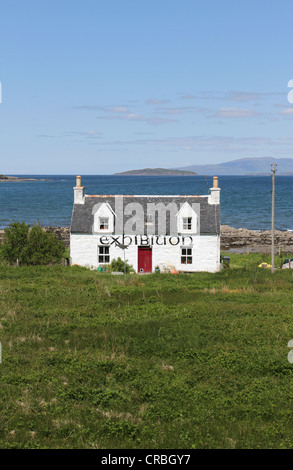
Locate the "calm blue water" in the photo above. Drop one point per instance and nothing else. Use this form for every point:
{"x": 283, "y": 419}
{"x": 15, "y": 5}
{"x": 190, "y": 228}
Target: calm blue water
{"x": 245, "y": 200}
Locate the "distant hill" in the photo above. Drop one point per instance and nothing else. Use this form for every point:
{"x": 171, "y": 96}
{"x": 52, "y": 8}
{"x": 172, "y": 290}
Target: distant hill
{"x": 158, "y": 171}
{"x": 245, "y": 166}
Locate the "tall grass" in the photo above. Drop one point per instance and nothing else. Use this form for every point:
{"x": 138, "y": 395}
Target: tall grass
{"x": 161, "y": 361}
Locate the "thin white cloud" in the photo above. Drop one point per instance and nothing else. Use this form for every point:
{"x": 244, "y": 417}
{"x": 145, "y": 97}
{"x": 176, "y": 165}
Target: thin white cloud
{"x": 243, "y": 96}
{"x": 232, "y": 95}
{"x": 199, "y": 145}
{"x": 286, "y": 112}
{"x": 87, "y": 107}
{"x": 45, "y": 136}
{"x": 178, "y": 109}
{"x": 188, "y": 97}
{"x": 143, "y": 133}
{"x": 153, "y": 101}
{"x": 159, "y": 120}
{"x": 137, "y": 117}
{"x": 166, "y": 111}
{"x": 124, "y": 113}
{"x": 118, "y": 109}
{"x": 84, "y": 136}
{"x": 235, "y": 113}
{"x": 200, "y": 142}
{"x": 90, "y": 133}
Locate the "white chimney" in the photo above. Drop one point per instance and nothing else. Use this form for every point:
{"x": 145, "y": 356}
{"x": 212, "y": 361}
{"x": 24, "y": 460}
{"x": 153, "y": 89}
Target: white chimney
{"x": 78, "y": 192}
{"x": 214, "y": 197}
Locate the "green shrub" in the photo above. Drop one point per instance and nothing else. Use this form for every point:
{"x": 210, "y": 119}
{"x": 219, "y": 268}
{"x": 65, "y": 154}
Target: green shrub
{"x": 117, "y": 265}
{"x": 35, "y": 246}
{"x": 14, "y": 242}
{"x": 43, "y": 247}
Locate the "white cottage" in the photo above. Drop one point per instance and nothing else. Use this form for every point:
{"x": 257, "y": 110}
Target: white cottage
{"x": 169, "y": 232}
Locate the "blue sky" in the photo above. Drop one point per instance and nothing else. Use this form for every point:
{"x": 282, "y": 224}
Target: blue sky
{"x": 97, "y": 87}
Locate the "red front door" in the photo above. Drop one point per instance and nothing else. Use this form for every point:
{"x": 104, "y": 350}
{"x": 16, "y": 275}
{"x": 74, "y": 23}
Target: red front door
{"x": 144, "y": 259}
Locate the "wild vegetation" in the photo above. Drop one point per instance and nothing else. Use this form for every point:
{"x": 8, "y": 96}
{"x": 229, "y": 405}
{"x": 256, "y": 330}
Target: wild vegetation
{"x": 158, "y": 361}
{"x": 35, "y": 246}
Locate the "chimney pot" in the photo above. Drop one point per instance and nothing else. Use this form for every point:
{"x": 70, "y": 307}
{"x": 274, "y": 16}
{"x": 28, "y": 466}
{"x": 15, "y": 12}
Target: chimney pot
{"x": 214, "y": 197}
{"x": 78, "y": 181}
{"x": 79, "y": 197}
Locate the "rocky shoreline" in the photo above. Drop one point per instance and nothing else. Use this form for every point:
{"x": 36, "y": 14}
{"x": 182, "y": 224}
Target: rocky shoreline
{"x": 232, "y": 239}
{"x": 7, "y": 179}
{"x": 244, "y": 240}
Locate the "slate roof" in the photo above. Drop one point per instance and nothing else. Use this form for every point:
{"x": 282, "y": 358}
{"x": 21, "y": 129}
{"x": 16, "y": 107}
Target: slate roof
{"x": 83, "y": 218}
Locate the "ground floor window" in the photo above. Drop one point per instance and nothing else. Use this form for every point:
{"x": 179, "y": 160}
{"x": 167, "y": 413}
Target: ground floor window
{"x": 104, "y": 256}
{"x": 186, "y": 255}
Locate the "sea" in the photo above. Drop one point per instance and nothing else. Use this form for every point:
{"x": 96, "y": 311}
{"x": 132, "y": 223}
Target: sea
{"x": 246, "y": 201}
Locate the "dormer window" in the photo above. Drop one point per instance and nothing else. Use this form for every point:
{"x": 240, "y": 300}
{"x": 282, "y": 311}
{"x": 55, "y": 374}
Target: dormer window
{"x": 188, "y": 218}
{"x": 187, "y": 223}
{"x": 104, "y": 223}
{"x": 104, "y": 218}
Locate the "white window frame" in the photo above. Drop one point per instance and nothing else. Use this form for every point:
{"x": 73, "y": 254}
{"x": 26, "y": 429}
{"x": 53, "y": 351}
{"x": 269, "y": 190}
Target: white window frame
{"x": 103, "y": 254}
{"x": 187, "y": 224}
{"x": 186, "y": 255}
{"x": 105, "y": 223}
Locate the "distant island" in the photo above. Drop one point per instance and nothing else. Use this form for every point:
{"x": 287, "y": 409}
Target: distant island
{"x": 158, "y": 172}
{"x": 244, "y": 166}
{"x": 4, "y": 178}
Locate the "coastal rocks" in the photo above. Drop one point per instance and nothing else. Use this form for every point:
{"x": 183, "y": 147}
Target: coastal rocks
{"x": 251, "y": 240}
{"x": 63, "y": 233}
{"x": 4, "y": 178}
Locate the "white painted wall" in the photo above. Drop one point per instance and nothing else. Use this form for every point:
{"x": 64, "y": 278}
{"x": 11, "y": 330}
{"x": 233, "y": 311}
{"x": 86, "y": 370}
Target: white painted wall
{"x": 205, "y": 253}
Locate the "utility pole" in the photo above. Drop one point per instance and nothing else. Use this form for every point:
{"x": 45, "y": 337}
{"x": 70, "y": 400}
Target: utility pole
{"x": 123, "y": 247}
{"x": 273, "y": 217}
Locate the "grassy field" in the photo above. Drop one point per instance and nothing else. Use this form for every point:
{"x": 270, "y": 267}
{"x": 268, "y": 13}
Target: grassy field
{"x": 164, "y": 361}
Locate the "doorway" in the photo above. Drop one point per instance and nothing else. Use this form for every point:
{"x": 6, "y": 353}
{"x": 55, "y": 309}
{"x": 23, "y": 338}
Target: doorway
{"x": 144, "y": 259}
